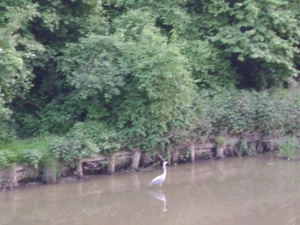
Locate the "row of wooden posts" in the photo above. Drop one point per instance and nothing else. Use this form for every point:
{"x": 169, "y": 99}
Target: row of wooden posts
{"x": 10, "y": 175}
{"x": 122, "y": 159}
{"x": 132, "y": 158}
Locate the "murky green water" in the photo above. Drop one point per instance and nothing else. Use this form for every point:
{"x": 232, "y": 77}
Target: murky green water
{"x": 260, "y": 190}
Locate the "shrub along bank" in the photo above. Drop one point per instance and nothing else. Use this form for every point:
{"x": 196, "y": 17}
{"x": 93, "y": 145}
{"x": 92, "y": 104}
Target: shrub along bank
{"x": 272, "y": 117}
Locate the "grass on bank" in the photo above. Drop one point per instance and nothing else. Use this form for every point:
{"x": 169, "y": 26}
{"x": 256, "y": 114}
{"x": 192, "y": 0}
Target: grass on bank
{"x": 28, "y": 152}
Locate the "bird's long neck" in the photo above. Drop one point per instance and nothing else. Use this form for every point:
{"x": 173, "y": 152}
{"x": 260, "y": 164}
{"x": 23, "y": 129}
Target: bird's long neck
{"x": 165, "y": 170}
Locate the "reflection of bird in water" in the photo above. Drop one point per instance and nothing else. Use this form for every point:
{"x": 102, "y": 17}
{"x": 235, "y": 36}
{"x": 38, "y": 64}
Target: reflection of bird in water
{"x": 160, "y": 179}
{"x": 160, "y": 196}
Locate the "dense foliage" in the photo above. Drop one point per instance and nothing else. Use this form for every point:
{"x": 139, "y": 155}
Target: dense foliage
{"x": 98, "y": 76}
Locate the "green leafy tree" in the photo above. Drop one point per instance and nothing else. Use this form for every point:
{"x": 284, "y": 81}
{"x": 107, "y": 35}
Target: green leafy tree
{"x": 158, "y": 83}
{"x": 18, "y": 49}
{"x": 49, "y": 103}
{"x": 95, "y": 67}
{"x": 191, "y": 22}
{"x": 262, "y": 39}
{"x": 135, "y": 79}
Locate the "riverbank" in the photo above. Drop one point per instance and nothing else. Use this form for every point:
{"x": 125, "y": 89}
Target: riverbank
{"x": 19, "y": 176}
{"x": 220, "y": 124}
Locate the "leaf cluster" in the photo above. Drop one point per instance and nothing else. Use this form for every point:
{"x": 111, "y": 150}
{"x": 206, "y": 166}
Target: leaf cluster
{"x": 84, "y": 140}
{"x": 288, "y": 147}
{"x": 244, "y": 112}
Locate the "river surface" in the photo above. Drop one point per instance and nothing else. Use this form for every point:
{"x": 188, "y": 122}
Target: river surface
{"x": 248, "y": 191}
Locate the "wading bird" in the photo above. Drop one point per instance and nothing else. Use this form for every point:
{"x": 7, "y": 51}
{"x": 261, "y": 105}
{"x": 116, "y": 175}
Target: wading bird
{"x": 160, "y": 179}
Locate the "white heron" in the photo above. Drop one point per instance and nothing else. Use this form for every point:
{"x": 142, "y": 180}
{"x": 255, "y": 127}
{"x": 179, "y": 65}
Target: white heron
{"x": 160, "y": 179}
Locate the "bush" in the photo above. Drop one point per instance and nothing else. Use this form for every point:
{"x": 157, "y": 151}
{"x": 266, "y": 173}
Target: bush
{"x": 84, "y": 140}
{"x": 29, "y": 152}
{"x": 7, "y": 157}
{"x": 7, "y": 132}
{"x": 278, "y": 112}
{"x": 48, "y": 120}
{"x": 288, "y": 147}
{"x": 10, "y": 152}
{"x": 32, "y": 157}
{"x": 243, "y": 112}
{"x": 64, "y": 149}
{"x": 230, "y": 111}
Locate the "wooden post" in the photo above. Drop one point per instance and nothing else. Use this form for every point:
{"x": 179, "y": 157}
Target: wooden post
{"x": 192, "y": 148}
{"x": 220, "y": 152}
{"x": 111, "y": 167}
{"x": 79, "y": 168}
{"x": 136, "y": 156}
{"x": 14, "y": 182}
